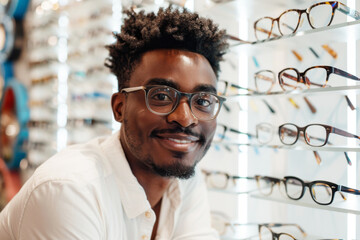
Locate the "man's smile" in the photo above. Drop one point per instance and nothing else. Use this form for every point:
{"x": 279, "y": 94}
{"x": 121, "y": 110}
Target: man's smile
{"x": 178, "y": 142}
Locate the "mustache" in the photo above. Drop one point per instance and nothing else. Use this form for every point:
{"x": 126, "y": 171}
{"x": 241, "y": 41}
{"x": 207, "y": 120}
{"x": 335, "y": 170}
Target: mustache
{"x": 187, "y": 131}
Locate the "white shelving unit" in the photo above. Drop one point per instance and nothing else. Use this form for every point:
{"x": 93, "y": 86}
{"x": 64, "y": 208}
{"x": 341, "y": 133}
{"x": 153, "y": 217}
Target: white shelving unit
{"x": 341, "y": 219}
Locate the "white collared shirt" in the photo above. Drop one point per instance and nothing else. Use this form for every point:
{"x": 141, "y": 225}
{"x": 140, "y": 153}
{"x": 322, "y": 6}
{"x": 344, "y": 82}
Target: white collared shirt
{"x": 89, "y": 192}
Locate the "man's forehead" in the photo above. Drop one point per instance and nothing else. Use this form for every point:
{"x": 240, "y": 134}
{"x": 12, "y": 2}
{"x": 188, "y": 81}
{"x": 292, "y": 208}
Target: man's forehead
{"x": 174, "y": 65}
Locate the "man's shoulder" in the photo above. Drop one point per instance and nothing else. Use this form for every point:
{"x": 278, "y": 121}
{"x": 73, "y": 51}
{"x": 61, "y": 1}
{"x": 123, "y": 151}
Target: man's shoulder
{"x": 78, "y": 163}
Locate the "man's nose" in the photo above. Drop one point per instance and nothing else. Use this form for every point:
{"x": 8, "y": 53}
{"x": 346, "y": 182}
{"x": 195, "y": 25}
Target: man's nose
{"x": 182, "y": 114}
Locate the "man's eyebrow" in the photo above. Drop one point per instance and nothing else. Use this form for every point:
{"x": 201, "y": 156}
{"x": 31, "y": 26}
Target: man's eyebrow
{"x": 170, "y": 83}
{"x": 205, "y": 88}
{"x": 162, "y": 81}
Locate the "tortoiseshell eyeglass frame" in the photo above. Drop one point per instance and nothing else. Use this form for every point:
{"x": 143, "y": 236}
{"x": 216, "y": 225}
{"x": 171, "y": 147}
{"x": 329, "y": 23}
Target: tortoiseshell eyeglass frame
{"x": 329, "y": 129}
{"x": 234, "y": 178}
{"x": 301, "y": 76}
{"x": 335, "y": 5}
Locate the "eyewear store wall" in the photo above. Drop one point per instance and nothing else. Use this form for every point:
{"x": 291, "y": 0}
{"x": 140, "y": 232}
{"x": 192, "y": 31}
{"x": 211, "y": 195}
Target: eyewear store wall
{"x": 256, "y": 172}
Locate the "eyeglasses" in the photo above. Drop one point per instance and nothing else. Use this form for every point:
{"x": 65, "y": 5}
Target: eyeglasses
{"x": 317, "y": 76}
{"x": 264, "y": 132}
{"x": 163, "y": 100}
{"x": 266, "y": 232}
{"x": 315, "y": 135}
{"x": 322, "y": 192}
{"x": 221, "y": 224}
{"x": 220, "y": 180}
{"x": 318, "y": 15}
{"x": 291, "y": 78}
{"x": 224, "y": 85}
{"x": 266, "y": 184}
{"x": 264, "y": 82}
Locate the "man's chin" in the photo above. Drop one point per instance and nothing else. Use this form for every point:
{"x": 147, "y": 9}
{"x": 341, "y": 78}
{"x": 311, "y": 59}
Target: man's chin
{"x": 176, "y": 170}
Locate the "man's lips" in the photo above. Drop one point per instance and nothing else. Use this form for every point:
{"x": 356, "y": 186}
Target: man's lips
{"x": 177, "y": 141}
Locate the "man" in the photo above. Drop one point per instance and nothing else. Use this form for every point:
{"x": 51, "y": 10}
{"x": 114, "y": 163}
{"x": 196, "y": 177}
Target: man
{"x": 139, "y": 183}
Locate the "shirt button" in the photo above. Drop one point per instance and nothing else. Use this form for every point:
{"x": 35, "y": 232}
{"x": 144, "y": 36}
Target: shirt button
{"x": 144, "y": 237}
{"x": 148, "y": 214}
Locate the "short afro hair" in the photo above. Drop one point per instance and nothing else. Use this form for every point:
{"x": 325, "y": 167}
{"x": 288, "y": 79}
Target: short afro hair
{"x": 171, "y": 28}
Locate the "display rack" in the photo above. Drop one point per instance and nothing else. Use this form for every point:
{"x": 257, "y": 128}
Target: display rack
{"x": 276, "y": 53}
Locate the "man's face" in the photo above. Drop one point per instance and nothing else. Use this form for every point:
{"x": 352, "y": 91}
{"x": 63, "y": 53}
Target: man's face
{"x": 173, "y": 144}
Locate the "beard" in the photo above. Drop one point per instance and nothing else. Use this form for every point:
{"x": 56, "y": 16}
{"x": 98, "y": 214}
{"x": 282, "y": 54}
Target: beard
{"x": 176, "y": 169}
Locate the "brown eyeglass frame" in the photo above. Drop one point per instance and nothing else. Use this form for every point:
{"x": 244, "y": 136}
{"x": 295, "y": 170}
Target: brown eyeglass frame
{"x": 329, "y": 129}
{"x": 336, "y": 5}
{"x": 301, "y": 76}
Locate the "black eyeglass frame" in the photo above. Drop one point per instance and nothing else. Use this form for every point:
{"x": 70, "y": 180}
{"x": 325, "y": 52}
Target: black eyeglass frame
{"x": 333, "y": 186}
{"x": 179, "y": 95}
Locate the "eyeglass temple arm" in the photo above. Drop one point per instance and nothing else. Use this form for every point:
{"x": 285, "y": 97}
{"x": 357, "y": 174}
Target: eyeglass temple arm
{"x": 348, "y": 158}
{"x": 348, "y": 11}
{"x": 239, "y": 132}
{"x": 348, "y": 190}
{"x": 232, "y": 37}
{"x": 132, "y": 89}
{"x": 239, "y": 87}
{"x": 349, "y": 103}
{"x": 285, "y": 224}
{"x": 263, "y": 77}
{"x": 266, "y": 31}
{"x": 343, "y": 133}
{"x": 317, "y": 157}
{"x": 268, "y": 106}
{"x": 241, "y": 177}
{"x": 344, "y": 74}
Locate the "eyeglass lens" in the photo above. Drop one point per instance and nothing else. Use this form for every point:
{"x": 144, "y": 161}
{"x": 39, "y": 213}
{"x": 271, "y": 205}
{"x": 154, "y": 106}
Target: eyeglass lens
{"x": 164, "y": 100}
{"x": 315, "y": 135}
{"x": 264, "y": 132}
{"x": 264, "y": 81}
{"x": 217, "y": 180}
{"x": 265, "y": 185}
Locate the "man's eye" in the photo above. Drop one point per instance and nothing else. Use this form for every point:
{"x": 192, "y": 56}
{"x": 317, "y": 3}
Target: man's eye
{"x": 161, "y": 97}
{"x": 203, "y": 102}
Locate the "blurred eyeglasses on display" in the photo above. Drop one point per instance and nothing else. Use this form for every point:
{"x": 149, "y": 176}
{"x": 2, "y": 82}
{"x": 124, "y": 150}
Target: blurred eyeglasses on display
{"x": 263, "y": 231}
{"x": 315, "y": 135}
{"x": 220, "y": 180}
{"x": 318, "y": 15}
{"x": 316, "y": 76}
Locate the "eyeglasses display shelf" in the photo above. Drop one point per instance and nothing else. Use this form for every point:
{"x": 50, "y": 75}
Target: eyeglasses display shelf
{"x": 340, "y": 32}
{"x": 295, "y": 147}
{"x": 341, "y": 90}
{"x": 350, "y": 205}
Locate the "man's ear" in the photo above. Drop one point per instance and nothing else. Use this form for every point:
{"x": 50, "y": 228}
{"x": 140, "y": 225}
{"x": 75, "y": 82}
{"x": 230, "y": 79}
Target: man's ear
{"x": 118, "y": 104}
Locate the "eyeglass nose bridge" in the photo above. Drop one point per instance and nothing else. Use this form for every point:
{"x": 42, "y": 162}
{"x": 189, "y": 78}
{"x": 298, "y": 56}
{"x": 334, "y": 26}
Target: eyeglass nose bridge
{"x": 189, "y": 97}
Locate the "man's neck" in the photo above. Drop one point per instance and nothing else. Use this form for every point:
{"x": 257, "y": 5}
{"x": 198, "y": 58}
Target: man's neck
{"x": 154, "y": 185}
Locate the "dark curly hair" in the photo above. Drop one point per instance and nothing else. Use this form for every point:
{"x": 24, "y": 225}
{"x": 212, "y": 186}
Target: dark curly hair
{"x": 171, "y": 28}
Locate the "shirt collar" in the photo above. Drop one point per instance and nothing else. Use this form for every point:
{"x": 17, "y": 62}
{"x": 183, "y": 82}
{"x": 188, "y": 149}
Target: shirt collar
{"x": 133, "y": 196}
